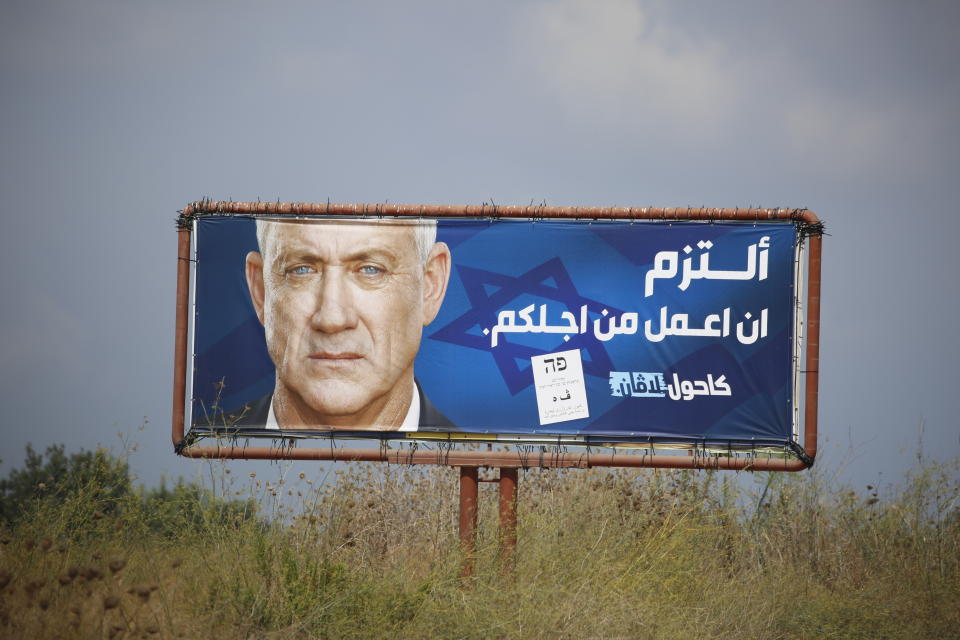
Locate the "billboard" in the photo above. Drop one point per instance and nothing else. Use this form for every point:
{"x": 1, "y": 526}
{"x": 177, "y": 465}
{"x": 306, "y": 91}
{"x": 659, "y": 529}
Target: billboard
{"x": 534, "y": 330}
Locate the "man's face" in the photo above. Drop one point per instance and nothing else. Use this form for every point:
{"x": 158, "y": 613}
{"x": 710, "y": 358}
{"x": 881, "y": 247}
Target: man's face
{"x": 343, "y": 305}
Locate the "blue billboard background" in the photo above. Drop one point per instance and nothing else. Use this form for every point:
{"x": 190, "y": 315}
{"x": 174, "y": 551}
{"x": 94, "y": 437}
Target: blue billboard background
{"x": 679, "y": 336}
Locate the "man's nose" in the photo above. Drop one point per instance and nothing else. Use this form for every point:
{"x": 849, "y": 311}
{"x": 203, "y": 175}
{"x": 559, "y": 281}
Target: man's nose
{"x": 335, "y": 310}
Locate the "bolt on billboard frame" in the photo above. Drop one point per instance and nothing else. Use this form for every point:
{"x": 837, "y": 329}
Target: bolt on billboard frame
{"x": 440, "y": 447}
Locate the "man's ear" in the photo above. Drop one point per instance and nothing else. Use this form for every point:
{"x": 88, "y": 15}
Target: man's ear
{"x": 254, "y": 271}
{"x": 436, "y": 274}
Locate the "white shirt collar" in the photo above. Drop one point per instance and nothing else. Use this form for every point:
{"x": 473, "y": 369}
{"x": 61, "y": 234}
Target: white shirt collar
{"x": 411, "y": 421}
{"x": 271, "y": 418}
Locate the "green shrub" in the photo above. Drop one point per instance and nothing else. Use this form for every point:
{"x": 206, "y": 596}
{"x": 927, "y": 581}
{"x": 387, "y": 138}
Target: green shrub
{"x": 101, "y": 479}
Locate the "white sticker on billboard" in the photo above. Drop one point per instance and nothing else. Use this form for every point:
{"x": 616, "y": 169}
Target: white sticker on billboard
{"x": 561, "y": 391}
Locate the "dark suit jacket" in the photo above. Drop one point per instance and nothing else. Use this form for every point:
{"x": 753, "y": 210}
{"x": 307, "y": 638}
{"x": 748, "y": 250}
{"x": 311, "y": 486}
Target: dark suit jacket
{"x": 254, "y": 414}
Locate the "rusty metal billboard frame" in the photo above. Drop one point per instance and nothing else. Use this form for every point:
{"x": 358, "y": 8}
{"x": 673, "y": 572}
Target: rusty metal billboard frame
{"x": 811, "y": 225}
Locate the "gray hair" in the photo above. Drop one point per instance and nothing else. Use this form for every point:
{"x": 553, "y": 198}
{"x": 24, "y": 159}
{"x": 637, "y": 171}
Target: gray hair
{"x": 425, "y": 233}
{"x": 426, "y": 236}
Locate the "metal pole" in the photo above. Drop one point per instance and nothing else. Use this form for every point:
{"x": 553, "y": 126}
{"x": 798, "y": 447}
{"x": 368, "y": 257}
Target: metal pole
{"x": 508, "y": 513}
{"x": 492, "y": 211}
{"x": 812, "y": 385}
{"x": 180, "y": 333}
{"x": 468, "y": 517}
{"x": 231, "y": 449}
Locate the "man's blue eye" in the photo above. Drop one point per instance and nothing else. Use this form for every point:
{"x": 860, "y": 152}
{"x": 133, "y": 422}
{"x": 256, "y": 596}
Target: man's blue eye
{"x": 302, "y": 270}
{"x": 370, "y": 270}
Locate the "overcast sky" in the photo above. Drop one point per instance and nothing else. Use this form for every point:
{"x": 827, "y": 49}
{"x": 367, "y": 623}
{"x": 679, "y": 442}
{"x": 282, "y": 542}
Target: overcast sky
{"x": 117, "y": 113}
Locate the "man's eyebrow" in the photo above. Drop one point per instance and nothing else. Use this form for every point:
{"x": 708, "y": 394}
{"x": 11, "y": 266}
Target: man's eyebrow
{"x": 307, "y": 254}
{"x": 371, "y": 253}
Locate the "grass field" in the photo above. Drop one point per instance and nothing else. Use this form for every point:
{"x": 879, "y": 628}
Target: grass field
{"x": 374, "y": 553}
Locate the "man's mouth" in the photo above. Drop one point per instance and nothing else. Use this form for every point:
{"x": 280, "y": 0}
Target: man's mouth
{"x": 330, "y": 356}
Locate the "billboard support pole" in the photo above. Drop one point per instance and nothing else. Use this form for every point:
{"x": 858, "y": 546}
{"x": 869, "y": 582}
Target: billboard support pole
{"x": 180, "y": 335}
{"x": 234, "y": 450}
{"x": 812, "y": 386}
{"x": 508, "y": 515}
{"x": 468, "y": 517}
{"x": 469, "y": 482}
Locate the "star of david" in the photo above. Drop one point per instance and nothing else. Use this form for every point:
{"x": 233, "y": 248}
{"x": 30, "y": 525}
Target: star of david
{"x": 513, "y": 359}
